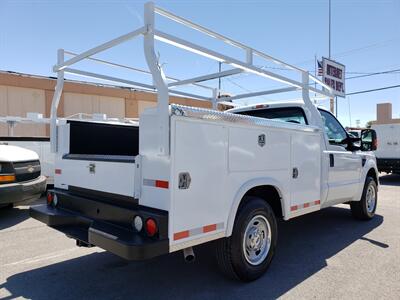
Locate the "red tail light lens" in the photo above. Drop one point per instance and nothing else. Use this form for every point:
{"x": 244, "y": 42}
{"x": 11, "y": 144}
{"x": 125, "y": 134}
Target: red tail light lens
{"x": 50, "y": 198}
{"x": 151, "y": 227}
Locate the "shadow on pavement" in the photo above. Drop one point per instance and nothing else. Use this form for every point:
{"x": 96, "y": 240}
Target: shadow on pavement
{"x": 390, "y": 179}
{"x": 303, "y": 248}
{"x": 10, "y": 216}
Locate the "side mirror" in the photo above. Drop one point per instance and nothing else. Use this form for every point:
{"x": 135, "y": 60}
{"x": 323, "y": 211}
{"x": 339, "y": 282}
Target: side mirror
{"x": 369, "y": 141}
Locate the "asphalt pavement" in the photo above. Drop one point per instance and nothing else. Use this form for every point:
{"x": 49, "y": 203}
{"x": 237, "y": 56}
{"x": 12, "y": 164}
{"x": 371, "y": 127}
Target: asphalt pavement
{"x": 323, "y": 255}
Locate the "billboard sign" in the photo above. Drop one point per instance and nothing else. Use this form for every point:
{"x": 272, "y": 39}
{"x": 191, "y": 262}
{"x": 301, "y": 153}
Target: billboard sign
{"x": 333, "y": 75}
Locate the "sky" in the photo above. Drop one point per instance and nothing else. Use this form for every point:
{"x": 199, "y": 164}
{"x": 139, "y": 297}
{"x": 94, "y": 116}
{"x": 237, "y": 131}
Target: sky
{"x": 365, "y": 37}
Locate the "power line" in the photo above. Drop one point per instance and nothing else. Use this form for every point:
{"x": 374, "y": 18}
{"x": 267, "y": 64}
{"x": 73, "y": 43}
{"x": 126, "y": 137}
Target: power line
{"x": 374, "y": 90}
{"x": 362, "y": 74}
{"x": 350, "y": 51}
{"x": 376, "y": 73}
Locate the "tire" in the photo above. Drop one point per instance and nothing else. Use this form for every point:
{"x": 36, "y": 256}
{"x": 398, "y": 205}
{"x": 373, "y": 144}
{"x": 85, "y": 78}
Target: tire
{"x": 232, "y": 258}
{"x": 366, "y": 207}
{"x": 7, "y": 206}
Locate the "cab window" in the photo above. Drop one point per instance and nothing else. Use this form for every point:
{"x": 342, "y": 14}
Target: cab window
{"x": 334, "y": 130}
{"x": 287, "y": 114}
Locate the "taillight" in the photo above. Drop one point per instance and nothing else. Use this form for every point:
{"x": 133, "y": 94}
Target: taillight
{"x": 138, "y": 223}
{"x": 151, "y": 227}
{"x": 50, "y": 198}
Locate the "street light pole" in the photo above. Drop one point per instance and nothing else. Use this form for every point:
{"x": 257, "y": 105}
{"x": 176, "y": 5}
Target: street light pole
{"x": 329, "y": 28}
{"x": 331, "y": 100}
{"x": 219, "y": 79}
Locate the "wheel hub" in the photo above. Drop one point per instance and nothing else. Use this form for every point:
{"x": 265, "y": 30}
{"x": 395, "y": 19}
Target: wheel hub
{"x": 371, "y": 198}
{"x": 257, "y": 240}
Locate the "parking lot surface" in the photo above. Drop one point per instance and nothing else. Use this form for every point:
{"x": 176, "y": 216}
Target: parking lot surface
{"x": 326, "y": 254}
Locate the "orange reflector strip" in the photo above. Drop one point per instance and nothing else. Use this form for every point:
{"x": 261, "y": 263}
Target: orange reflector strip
{"x": 57, "y": 171}
{"x": 209, "y": 228}
{"x": 305, "y": 205}
{"x": 181, "y": 235}
{"x": 7, "y": 178}
{"x": 162, "y": 184}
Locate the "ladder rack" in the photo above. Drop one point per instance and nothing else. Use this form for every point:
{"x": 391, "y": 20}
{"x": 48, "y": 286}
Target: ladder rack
{"x": 160, "y": 82}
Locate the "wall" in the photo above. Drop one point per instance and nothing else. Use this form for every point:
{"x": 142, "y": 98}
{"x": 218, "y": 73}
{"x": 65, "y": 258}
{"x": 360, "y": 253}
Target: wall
{"x": 384, "y": 114}
{"x": 17, "y": 101}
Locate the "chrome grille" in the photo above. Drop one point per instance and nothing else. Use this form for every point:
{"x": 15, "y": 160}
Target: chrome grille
{"x": 26, "y": 170}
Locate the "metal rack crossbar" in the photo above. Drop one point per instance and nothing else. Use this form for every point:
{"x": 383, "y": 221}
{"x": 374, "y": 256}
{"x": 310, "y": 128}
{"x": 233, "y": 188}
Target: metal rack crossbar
{"x": 160, "y": 81}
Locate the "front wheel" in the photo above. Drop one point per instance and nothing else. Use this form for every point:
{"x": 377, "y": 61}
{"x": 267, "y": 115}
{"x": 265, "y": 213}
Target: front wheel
{"x": 248, "y": 252}
{"x": 366, "y": 207}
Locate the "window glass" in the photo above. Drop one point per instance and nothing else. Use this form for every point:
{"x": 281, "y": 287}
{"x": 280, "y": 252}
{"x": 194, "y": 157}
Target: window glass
{"x": 287, "y": 114}
{"x": 335, "y": 131}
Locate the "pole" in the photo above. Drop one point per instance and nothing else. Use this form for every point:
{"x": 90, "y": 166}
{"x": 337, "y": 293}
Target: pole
{"x": 219, "y": 79}
{"x": 329, "y": 35}
{"x": 336, "y": 107}
{"x": 331, "y": 100}
{"x": 348, "y": 101}
{"x": 315, "y": 74}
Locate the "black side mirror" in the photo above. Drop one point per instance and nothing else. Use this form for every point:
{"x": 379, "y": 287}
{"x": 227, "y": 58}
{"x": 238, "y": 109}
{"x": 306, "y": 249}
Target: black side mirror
{"x": 353, "y": 142}
{"x": 369, "y": 141}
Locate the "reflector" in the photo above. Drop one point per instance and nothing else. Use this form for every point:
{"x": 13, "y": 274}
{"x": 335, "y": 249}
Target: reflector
{"x": 151, "y": 227}
{"x": 49, "y": 198}
{"x": 7, "y": 178}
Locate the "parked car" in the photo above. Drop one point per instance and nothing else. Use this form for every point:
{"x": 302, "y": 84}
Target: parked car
{"x": 20, "y": 176}
{"x": 40, "y": 145}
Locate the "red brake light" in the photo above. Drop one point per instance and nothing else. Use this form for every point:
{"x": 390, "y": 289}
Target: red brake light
{"x": 151, "y": 227}
{"x": 50, "y": 198}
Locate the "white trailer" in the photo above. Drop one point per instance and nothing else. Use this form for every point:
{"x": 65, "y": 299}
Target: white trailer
{"x": 185, "y": 176}
{"x": 388, "y": 149}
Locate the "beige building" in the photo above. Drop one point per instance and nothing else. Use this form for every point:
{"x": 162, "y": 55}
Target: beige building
{"x": 22, "y": 93}
{"x": 384, "y": 114}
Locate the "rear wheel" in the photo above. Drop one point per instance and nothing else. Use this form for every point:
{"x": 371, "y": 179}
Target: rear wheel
{"x": 366, "y": 207}
{"x": 248, "y": 252}
{"x": 7, "y": 206}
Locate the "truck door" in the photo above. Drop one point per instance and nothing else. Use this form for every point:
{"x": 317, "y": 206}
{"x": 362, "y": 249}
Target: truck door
{"x": 344, "y": 166}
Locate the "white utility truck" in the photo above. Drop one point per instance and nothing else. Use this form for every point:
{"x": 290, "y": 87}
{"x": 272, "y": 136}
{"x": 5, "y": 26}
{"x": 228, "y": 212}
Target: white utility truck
{"x": 185, "y": 176}
{"x": 388, "y": 149}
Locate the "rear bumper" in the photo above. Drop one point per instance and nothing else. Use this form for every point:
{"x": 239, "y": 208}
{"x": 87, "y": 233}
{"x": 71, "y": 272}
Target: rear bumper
{"x": 22, "y": 191}
{"x": 104, "y": 225}
{"x": 388, "y": 164}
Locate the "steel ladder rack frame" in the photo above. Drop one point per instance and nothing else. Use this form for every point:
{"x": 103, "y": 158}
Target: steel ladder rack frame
{"x": 150, "y": 34}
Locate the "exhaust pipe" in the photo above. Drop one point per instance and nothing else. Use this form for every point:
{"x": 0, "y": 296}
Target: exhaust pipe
{"x": 188, "y": 255}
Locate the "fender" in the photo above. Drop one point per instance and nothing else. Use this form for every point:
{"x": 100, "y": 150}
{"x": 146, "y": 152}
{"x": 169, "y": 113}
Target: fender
{"x": 248, "y": 186}
{"x": 369, "y": 164}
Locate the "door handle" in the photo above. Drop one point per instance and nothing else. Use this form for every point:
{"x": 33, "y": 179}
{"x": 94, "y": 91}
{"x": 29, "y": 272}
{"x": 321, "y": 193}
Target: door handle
{"x": 295, "y": 173}
{"x": 331, "y": 160}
